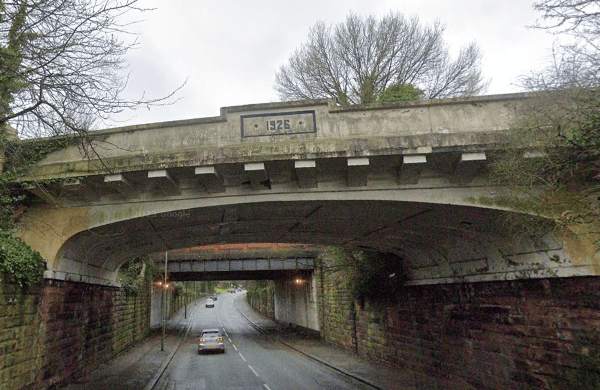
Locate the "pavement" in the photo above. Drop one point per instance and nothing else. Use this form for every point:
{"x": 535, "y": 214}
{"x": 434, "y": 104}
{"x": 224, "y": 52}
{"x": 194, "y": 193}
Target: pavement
{"x": 140, "y": 367}
{"x": 376, "y": 374}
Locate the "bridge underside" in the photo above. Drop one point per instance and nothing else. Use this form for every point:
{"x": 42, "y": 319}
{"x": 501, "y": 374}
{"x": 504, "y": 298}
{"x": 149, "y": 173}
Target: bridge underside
{"x": 438, "y": 243}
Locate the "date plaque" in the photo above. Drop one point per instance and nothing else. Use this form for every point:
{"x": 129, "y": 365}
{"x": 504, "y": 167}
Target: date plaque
{"x": 279, "y": 123}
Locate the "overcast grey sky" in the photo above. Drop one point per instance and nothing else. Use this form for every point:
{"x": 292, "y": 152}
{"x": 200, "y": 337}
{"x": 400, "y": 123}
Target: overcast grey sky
{"x": 230, "y": 49}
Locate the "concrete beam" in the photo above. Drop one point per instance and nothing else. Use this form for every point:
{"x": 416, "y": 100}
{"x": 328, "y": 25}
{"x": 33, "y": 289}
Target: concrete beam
{"x": 358, "y": 169}
{"x": 410, "y": 169}
{"x": 210, "y": 179}
{"x": 259, "y": 178}
{"x": 42, "y": 192}
{"x": 467, "y": 167}
{"x": 71, "y": 186}
{"x": 306, "y": 172}
{"x": 78, "y": 188}
{"x": 120, "y": 184}
{"x": 164, "y": 182}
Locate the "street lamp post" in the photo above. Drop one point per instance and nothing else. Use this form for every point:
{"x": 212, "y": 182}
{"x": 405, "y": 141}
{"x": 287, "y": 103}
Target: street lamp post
{"x": 164, "y": 306}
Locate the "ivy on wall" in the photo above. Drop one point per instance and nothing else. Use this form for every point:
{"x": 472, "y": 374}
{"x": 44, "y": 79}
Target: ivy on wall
{"x": 260, "y": 290}
{"x": 368, "y": 276}
{"x": 19, "y": 158}
{"x": 137, "y": 273}
{"x": 19, "y": 263}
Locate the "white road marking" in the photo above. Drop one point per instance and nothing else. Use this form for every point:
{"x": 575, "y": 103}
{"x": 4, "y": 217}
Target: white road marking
{"x": 252, "y": 369}
{"x": 242, "y": 356}
{"x": 266, "y": 387}
{"x": 234, "y": 347}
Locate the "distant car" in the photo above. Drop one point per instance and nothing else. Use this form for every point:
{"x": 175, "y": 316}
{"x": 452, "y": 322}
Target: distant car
{"x": 211, "y": 340}
{"x": 214, "y": 297}
{"x": 210, "y": 303}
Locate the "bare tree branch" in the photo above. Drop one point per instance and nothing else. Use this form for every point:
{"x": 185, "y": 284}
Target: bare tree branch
{"x": 561, "y": 123}
{"x": 63, "y": 59}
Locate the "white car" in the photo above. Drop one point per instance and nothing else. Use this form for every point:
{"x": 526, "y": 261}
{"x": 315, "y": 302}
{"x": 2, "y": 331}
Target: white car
{"x": 211, "y": 340}
{"x": 210, "y": 303}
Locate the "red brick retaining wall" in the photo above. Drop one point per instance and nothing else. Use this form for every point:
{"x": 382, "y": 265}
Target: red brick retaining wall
{"x": 531, "y": 334}
{"x": 63, "y": 329}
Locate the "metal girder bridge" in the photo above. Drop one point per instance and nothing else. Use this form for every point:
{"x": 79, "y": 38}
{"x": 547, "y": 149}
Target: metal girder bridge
{"x": 237, "y": 269}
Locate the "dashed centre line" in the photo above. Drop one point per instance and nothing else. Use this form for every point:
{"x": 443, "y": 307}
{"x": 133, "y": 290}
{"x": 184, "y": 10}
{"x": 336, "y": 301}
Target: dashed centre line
{"x": 252, "y": 369}
{"x": 242, "y": 356}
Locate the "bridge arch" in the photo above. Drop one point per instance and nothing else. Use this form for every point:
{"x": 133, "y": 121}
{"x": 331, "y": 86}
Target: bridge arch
{"x": 438, "y": 243}
{"x": 407, "y": 178}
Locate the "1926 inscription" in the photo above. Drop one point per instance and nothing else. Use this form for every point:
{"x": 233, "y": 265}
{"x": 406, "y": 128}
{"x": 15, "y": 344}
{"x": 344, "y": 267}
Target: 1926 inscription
{"x": 280, "y": 123}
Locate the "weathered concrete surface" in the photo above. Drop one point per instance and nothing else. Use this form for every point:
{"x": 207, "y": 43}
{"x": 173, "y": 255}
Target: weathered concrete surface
{"x": 295, "y": 302}
{"x": 407, "y": 178}
{"x": 395, "y": 128}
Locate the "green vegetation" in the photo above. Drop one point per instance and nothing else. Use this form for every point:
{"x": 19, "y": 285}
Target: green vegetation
{"x": 19, "y": 264}
{"x": 40, "y": 40}
{"x": 137, "y": 274}
{"x": 20, "y": 158}
{"x": 369, "y": 276}
{"x": 260, "y": 290}
{"x": 553, "y": 156}
{"x": 400, "y": 93}
{"x": 179, "y": 289}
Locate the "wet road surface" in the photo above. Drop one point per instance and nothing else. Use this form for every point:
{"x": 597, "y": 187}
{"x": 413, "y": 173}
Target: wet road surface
{"x": 252, "y": 360}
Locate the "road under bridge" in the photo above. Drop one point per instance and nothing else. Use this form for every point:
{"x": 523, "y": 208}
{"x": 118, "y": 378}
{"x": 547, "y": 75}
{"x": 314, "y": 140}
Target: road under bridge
{"x": 409, "y": 179}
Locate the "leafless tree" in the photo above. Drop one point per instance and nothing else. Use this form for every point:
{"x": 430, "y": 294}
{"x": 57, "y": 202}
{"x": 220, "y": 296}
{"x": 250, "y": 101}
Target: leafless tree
{"x": 554, "y": 154}
{"x": 62, "y": 64}
{"x": 576, "y": 53}
{"x": 578, "y": 17}
{"x": 355, "y": 61}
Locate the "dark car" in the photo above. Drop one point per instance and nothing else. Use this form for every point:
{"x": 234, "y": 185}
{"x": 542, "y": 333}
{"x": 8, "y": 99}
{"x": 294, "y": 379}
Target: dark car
{"x": 211, "y": 340}
{"x": 214, "y": 297}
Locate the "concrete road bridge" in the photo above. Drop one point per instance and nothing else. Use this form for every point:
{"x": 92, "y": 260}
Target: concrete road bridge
{"x": 408, "y": 178}
{"x": 477, "y": 307}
